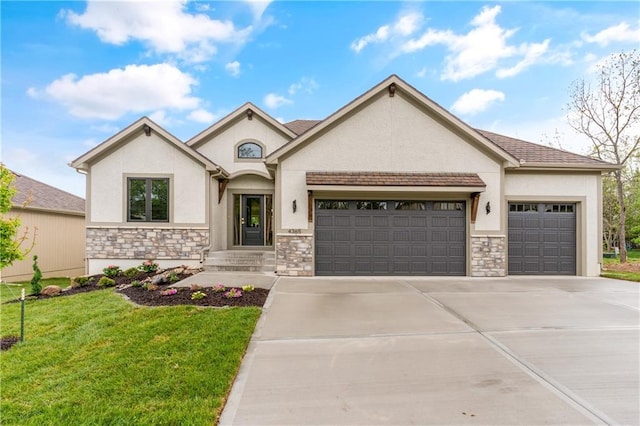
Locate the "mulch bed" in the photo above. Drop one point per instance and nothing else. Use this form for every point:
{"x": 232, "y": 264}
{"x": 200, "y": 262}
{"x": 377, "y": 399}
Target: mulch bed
{"x": 141, "y": 296}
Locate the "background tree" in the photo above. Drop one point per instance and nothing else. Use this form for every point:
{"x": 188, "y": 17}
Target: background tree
{"x": 9, "y": 245}
{"x": 607, "y": 111}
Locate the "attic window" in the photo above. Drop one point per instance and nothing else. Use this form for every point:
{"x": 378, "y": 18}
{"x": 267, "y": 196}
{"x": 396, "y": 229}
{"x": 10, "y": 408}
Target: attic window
{"x": 249, "y": 150}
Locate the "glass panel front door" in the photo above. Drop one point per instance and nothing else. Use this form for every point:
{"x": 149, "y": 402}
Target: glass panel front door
{"x": 252, "y": 220}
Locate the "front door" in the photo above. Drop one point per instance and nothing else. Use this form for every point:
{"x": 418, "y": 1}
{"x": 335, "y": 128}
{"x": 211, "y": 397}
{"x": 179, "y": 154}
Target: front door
{"x": 252, "y": 220}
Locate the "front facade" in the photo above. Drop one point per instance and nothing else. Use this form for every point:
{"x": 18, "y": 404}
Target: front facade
{"x": 391, "y": 184}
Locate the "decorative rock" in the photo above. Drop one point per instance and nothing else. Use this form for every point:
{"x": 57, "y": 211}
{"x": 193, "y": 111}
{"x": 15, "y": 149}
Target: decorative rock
{"x": 51, "y": 290}
{"x": 159, "y": 279}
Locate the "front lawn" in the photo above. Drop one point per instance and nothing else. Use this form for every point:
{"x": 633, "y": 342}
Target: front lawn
{"x": 93, "y": 358}
{"x": 12, "y": 291}
{"x": 630, "y": 271}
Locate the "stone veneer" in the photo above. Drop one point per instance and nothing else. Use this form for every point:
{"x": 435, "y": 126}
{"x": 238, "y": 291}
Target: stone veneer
{"x": 294, "y": 255}
{"x": 146, "y": 243}
{"x": 488, "y": 256}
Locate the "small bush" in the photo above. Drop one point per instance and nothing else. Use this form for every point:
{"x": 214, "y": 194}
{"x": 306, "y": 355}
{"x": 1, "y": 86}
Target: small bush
{"x": 131, "y": 272}
{"x": 219, "y": 288}
{"x": 81, "y": 281}
{"x": 112, "y": 271}
{"x": 36, "y": 287}
{"x": 149, "y": 286}
{"x": 148, "y": 266}
{"x": 173, "y": 277}
{"x": 136, "y": 283}
{"x": 198, "y": 295}
{"x": 106, "y": 282}
{"x": 248, "y": 288}
{"x": 195, "y": 287}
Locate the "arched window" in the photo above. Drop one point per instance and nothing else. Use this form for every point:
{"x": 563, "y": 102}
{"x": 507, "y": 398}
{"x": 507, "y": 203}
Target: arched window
{"x": 249, "y": 150}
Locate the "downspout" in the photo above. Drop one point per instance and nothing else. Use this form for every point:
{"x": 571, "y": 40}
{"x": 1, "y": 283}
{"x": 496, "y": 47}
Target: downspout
{"x": 205, "y": 251}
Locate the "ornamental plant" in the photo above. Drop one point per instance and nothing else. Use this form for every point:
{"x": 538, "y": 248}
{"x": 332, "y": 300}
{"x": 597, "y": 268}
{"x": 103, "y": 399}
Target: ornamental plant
{"x": 112, "y": 271}
{"x": 248, "y": 288}
{"x": 169, "y": 292}
{"x": 130, "y": 272}
{"x": 173, "y": 277}
{"x": 195, "y": 287}
{"x": 81, "y": 281}
{"x": 149, "y": 266}
{"x": 36, "y": 287}
{"x": 218, "y": 288}
{"x": 106, "y": 282}
{"x": 234, "y": 293}
{"x": 149, "y": 286}
{"x": 198, "y": 295}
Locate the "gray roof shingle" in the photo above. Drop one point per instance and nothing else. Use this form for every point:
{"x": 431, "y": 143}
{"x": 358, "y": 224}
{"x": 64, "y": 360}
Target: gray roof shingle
{"x": 300, "y": 126}
{"x": 42, "y": 196}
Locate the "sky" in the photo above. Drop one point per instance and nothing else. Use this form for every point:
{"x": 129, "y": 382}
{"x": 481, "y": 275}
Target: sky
{"x": 75, "y": 73}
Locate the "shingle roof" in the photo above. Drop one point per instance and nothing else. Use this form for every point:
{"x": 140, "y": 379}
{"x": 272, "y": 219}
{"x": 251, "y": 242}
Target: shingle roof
{"x": 530, "y": 152}
{"x": 300, "y": 126}
{"x": 42, "y": 196}
{"x": 394, "y": 179}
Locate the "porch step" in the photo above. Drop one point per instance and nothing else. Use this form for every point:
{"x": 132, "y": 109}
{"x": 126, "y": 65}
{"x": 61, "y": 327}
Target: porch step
{"x": 240, "y": 260}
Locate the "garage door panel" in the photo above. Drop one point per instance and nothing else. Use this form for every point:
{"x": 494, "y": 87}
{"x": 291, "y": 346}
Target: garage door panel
{"x": 401, "y": 241}
{"x": 542, "y": 239}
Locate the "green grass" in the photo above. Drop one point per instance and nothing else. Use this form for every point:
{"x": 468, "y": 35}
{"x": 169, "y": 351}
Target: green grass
{"x": 12, "y": 291}
{"x": 619, "y": 275}
{"x": 94, "y": 359}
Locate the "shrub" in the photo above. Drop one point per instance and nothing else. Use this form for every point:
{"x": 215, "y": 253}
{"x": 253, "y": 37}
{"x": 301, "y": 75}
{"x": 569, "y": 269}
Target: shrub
{"x": 173, "y": 277}
{"x": 148, "y": 266}
{"x": 36, "y": 287}
{"x": 81, "y": 281}
{"x": 248, "y": 288}
{"x": 234, "y": 293}
{"x": 112, "y": 271}
{"x": 136, "y": 283}
{"x": 219, "y": 288}
{"x": 131, "y": 272}
{"x": 106, "y": 282}
{"x": 198, "y": 295}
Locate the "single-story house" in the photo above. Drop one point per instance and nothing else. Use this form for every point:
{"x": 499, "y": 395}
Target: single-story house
{"x": 56, "y": 218}
{"x": 390, "y": 184}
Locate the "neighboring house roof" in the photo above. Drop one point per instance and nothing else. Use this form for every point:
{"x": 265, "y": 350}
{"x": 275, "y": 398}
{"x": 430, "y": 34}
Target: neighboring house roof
{"x": 300, "y": 126}
{"x": 395, "y": 86}
{"x": 248, "y": 110}
{"x": 394, "y": 179}
{"x": 133, "y": 130}
{"x": 33, "y": 194}
{"x": 532, "y": 153}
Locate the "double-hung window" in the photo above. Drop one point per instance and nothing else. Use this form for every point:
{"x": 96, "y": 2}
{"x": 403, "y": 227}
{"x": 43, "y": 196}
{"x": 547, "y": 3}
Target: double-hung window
{"x": 148, "y": 199}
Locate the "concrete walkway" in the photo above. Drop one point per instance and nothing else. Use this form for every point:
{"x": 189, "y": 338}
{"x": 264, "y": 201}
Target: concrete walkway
{"x": 442, "y": 351}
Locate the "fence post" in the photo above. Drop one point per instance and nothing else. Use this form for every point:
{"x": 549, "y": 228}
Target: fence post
{"x": 22, "y": 316}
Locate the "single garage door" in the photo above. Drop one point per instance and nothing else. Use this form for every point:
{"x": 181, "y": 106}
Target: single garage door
{"x": 542, "y": 239}
{"x": 393, "y": 237}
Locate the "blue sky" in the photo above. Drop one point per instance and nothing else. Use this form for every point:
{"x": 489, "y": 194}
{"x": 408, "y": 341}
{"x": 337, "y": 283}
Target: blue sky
{"x": 74, "y": 73}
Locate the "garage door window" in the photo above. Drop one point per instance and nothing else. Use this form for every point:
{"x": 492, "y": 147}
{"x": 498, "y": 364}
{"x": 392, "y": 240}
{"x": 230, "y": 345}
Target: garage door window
{"x": 523, "y": 207}
{"x": 447, "y": 206}
{"x": 371, "y": 205}
{"x": 333, "y": 205}
{"x": 411, "y": 205}
{"x": 558, "y": 208}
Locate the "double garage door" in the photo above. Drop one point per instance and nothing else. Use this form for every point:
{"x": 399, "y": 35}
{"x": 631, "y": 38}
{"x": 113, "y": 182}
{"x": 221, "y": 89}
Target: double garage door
{"x": 542, "y": 239}
{"x": 394, "y": 237}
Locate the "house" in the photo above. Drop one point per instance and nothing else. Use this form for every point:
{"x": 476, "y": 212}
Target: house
{"x": 390, "y": 184}
{"x": 57, "y": 220}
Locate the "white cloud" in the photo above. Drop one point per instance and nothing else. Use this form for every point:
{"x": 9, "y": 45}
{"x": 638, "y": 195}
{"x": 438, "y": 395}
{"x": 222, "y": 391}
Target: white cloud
{"x": 136, "y": 88}
{"x": 422, "y": 73}
{"x": 405, "y": 25}
{"x": 160, "y": 117}
{"x": 307, "y": 85}
{"x": 617, "y": 33}
{"x": 164, "y": 26}
{"x": 32, "y": 92}
{"x": 480, "y": 50}
{"x": 201, "y": 116}
{"x": 273, "y": 101}
{"x": 476, "y": 100}
{"x": 258, "y": 7}
{"x": 233, "y": 68}
{"x": 105, "y": 128}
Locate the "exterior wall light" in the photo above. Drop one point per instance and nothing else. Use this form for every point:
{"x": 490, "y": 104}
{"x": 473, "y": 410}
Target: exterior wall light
{"x": 294, "y": 206}
{"x": 488, "y": 207}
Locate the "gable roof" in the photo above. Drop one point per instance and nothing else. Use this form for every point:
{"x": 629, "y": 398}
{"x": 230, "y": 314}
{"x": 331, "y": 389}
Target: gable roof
{"x": 301, "y": 126}
{"x": 250, "y": 111}
{"x": 35, "y": 195}
{"x": 133, "y": 130}
{"x": 399, "y": 86}
{"x": 534, "y": 155}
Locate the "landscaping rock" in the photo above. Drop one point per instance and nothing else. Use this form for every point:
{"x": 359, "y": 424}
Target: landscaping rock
{"x": 51, "y": 290}
{"x": 160, "y": 279}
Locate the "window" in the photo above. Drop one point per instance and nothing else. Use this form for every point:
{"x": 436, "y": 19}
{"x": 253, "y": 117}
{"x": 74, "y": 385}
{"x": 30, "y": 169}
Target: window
{"x": 523, "y": 207}
{"x": 249, "y": 150}
{"x": 333, "y": 205}
{"x": 558, "y": 208}
{"x": 148, "y": 199}
{"x": 447, "y": 206}
{"x": 411, "y": 205}
{"x": 371, "y": 205}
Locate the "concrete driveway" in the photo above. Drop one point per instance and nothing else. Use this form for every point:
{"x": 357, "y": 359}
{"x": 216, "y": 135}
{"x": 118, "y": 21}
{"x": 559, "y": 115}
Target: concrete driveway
{"x": 442, "y": 351}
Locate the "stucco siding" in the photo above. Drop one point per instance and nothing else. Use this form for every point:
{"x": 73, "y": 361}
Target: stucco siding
{"x": 148, "y": 156}
{"x": 581, "y": 188}
{"x": 59, "y": 245}
{"x": 221, "y": 148}
{"x": 389, "y": 134}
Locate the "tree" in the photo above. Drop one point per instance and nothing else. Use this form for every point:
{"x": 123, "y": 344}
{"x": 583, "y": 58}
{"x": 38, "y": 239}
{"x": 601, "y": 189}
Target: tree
{"x": 9, "y": 245}
{"x": 607, "y": 111}
{"x": 36, "y": 287}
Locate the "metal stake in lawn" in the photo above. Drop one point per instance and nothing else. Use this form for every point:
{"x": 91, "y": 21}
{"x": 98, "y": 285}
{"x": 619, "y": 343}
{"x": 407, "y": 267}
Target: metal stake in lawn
{"x": 22, "y": 316}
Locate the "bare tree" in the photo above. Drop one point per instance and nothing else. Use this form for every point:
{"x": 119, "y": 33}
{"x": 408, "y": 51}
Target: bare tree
{"x": 607, "y": 111}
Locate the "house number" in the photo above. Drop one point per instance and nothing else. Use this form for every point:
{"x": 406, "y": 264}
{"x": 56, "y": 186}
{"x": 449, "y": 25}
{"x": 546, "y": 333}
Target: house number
{"x": 294, "y": 231}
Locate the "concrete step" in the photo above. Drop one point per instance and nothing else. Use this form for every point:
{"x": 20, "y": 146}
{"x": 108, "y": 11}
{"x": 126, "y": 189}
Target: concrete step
{"x": 240, "y": 260}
